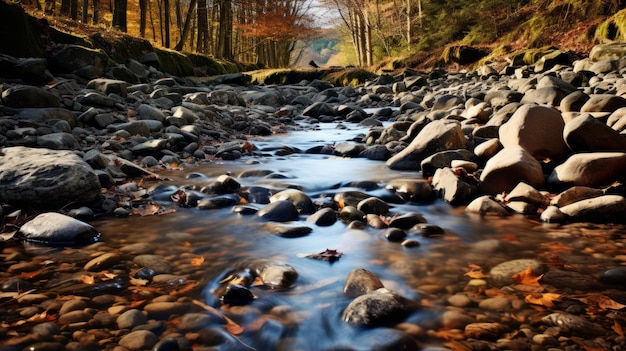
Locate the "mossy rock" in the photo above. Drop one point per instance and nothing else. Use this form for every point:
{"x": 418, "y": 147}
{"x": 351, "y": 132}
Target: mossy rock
{"x": 123, "y": 48}
{"x": 18, "y": 32}
{"x": 350, "y": 77}
{"x": 532, "y": 56}
{"x": 174, "y": 63}
{"x": 210, "y": 66}
{"x": 285, "y": 76}
{"x": 463, "y": 54}
{"x": 613, "y": 51}
{"x": 613, "y": 29}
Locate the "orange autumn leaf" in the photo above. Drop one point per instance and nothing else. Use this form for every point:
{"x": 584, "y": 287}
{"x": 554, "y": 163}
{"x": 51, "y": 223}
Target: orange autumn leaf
{"x": 546, "y": 299}
{"x": 30, "y": 275}
{"x": 341, "y": 204}
{"x": 527, "y": 277}
{"x": 601, "y": 301}
{"x": 618, "y": 328}
{"x": 475, "y": 272}
{"x": 198, "y": 261}
{"x": 87, "y": 279}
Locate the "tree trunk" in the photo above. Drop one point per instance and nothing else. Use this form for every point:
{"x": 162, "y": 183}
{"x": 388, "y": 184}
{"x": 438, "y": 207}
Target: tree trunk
{"x": 74, "y": 9}
{"x": 119, "y": 15}
{"x": 85, "y": 14}
{"x": 143, "y": 11}
{"x": 203, "y": 27}
{"x": 65, "y": 7}
{"x": 96, "y": 12}
{"x": 225, "y": 36}
{"x": 185, "y": 30}
{"x": 166, "y": 22}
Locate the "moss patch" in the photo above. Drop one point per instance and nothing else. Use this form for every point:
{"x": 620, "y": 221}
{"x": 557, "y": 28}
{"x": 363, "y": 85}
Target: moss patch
{"x": 613, "y": 29}
{"x": 174, "y": 63}
{"x": 350, "y": 77}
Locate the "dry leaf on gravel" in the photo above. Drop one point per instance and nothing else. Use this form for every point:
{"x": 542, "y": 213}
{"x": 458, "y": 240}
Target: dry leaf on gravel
{"x": 527, "y": 277}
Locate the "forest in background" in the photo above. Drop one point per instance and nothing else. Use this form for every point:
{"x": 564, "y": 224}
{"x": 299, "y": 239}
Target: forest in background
{"x": 284, "y": 33}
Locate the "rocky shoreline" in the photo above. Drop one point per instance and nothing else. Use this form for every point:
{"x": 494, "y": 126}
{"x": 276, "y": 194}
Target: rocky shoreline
{"x": 544, "y": 141}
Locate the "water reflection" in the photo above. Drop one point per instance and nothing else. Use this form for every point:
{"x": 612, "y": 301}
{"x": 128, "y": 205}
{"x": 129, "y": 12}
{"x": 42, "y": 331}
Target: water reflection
{"x": 309, "y": 312}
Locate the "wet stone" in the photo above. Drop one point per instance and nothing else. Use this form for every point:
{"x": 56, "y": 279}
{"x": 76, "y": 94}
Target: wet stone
{"x": 139, "y": 340}
{"x": 502, "y": 273}
{"x": 130, "y": 319}
{"x": 361, "y": 281}
{"x": 394, "y": 234}
{"x": 157, "y": 263}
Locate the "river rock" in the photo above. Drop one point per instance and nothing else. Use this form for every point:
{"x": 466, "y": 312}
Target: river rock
{"x": 502, "y": 274}
{"x": 275, "y": 275}
{"x": 589, "y": 169}
{"x": 573, "y": 325}
{"x": 102, "y": 262}
{"x": 58, "y": 141}
{"x": 452, "y": 188}
{"x": 418, "y": 190}
{"x": 299, "y": 199}
{"x": 109, "y": 86}
{"x": 360, "y": 282}
{"x": 130, "y": 319}
{"x": 538, "y": 129}
{"x": 279, "y": 211}
{"x": 76, "y": 59}
{"x": 488, "y": 331}
{"x": 29, "y": 96}
{"x": 575, "y": 194}
{"x": 552, "y": 214}
{"x": 603, "y": 103}
{"x": 53, "y": 228}
{"x": 45, "y": 178}
{"x": 139, "y": 340}
{"x": 509, "y": 167}
{"x": 444, "y": 159}
{"x": 324, "y": 217}
{"x": 587, "y": 134}
{"x": 526, "y": 193}
{"x": 486, "y": 205}
{"x": 436, "y": 136}
{"x": 601, "y": 208}
{"x": 373, "y": 205}
{"x": 378, "y": 308}
{"x": 155, "y": 262}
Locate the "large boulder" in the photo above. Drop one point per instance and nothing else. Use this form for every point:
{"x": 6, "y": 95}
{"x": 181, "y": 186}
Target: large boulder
{"x": 28, "y": 96}
{"x": 538, "y": 129}
{"x": 378, "y": 308}
{"x": 85, "y": 62}
{"x": 586, "y": 133}
{"x": 507, "y": 168}
{"x": 452, "y": 188}
{"x": 44, "y": 178}
{"x": 590, "y": 169}
{"x": 601, "y": 208}
{"x": 436, "y": 136}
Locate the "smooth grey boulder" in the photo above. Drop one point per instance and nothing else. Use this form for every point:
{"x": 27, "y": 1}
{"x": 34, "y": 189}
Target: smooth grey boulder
{"x": 452, "y": 188}
{"x": 53, "y": 228}
{"x": 507, "y": 168}
{"x": 444, "y": 159}
{"x": 378, "y": 308}
{"x": 418, "y": 190}
{"x": 30, "y": 97}
{"x": 279, "y": 211}
{"x": 361, "y": 281}
{"x": 586, "y": 133}
{"x": 109, "y": 86}
{"x": 436, "y": 136}
{"x": 597, "y": 209}
{"x": 538, "y": 129}
{"x": 44, "y": 178}
{"x": 589, "y": 169}
{"x": 58, "y": 141}
{"x": 299, "y": 199}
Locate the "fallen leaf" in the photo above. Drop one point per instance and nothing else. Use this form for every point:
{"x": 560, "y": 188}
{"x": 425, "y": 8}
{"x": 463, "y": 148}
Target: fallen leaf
{"x": 555, "y": 247}
{"x": 527, "y": 277}
{"x": 87, "y": 279}
{"x": 198, "y": 261}
{"x": 546, "y": 299}
{"x": 475, "y": 272}
{"x": 149, "y": 210}
{"x": 139, "y": 282}
{"x": 30, "y": 275}
{"x": 618, "y": 328}
{"x": 600, "y": 301}
{"x": 327, "y": 255}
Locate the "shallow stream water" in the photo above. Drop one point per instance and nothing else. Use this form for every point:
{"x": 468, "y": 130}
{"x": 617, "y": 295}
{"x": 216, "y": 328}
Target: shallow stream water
{"x": 429, "y": 273}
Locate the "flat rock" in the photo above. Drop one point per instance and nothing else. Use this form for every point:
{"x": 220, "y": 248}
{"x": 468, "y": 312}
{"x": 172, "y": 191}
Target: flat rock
{"x": 44, "y": 178}
{"x": 601, "y": 208}
{"x": 509, "y": 167}
{"x": 53, "y": 228}
{"x": 589, "y": 169}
